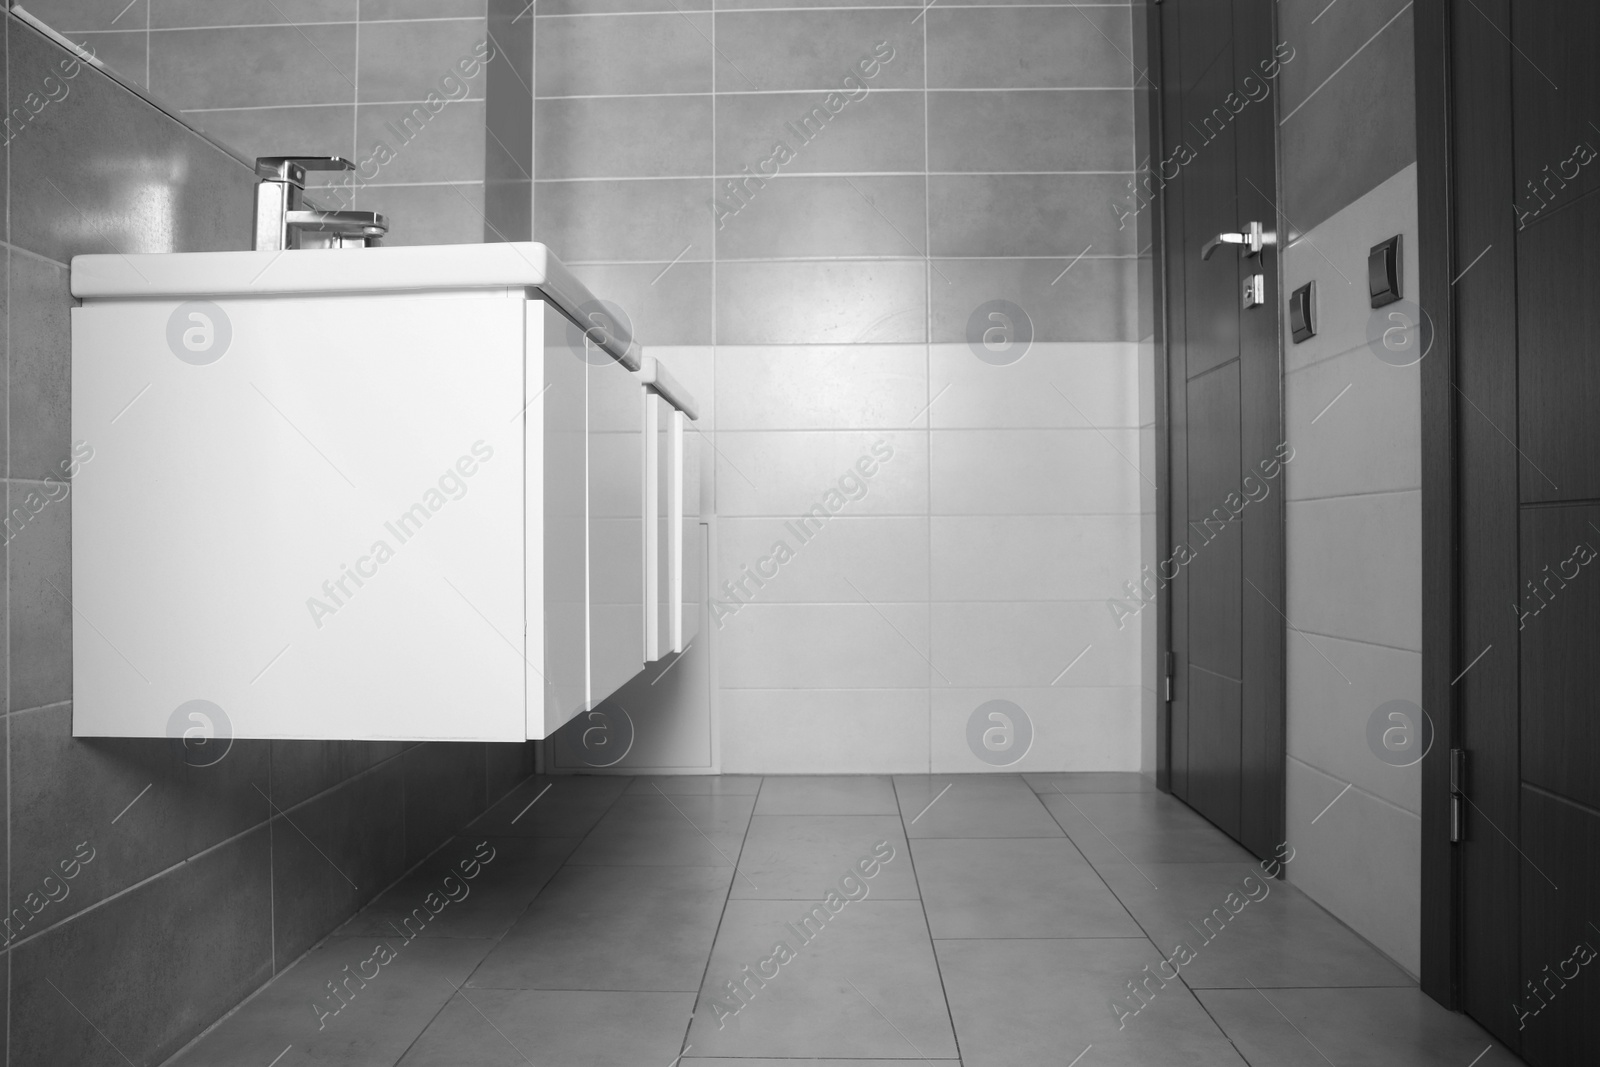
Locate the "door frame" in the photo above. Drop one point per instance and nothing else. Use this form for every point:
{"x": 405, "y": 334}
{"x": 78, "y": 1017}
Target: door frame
{"x": 1441, "y": 561}
{"x": 1150, "y": 54}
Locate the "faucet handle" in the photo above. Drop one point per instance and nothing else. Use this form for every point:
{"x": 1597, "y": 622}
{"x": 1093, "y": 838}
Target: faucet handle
{"x": 293, "y": 169}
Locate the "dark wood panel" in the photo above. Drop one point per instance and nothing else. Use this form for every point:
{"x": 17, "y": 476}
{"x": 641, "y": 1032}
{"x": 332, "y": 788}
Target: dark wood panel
{"x": 1559, "y": 623}
{"x": 1149, "y": 44}
{"x": 1208, "y": 181}
{"x": 1175, "y": 514}
{"x": 1263, "y": 657}
{"x": 1215, "y": 536}
{"x": 1556, "y": 90}
{"x": 1214, "y": 769}
{"x": 1560, "y": 921}
{"x": 1558, "y": 275}
{"x": 1437, "y": 267}
{"x": 1486, "y": 366}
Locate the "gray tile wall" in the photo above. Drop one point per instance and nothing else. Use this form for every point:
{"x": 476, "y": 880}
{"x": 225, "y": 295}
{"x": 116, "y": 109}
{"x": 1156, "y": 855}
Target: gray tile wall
{"x": 1347, "y": 103}
{"x": 831, "y": 310}
{"x": 204, "y": 881}
{"x": 344, "y": 77}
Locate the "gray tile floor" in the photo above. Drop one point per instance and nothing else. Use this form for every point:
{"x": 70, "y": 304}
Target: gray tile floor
{"x": 984, "y": 920}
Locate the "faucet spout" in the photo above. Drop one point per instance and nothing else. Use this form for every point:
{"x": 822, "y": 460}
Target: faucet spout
{"x": 284, "y": 220}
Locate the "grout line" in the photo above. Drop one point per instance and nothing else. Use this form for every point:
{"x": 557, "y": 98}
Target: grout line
{"x": 711, "y": 951}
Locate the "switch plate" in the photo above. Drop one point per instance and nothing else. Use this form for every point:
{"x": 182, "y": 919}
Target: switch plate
{"x": 1384, "y": 272}
{"x": 1303, "y": 312}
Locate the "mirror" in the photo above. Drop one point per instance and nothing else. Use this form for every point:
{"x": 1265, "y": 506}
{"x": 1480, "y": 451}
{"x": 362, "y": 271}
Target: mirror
{"x": 429, "y": 98}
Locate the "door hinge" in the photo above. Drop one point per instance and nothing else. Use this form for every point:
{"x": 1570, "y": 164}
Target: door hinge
{"x": 1458, "y": 794}
{"x": 1170, "y": 660}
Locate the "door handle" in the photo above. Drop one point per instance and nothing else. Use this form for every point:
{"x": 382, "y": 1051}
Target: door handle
{"x": 1254, "y": 238}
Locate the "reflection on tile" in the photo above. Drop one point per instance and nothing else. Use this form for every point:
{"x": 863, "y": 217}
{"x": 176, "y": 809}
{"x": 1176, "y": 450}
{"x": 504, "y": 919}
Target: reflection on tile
{"x": 147, "y": 166}
{"x": 127, "y": 53}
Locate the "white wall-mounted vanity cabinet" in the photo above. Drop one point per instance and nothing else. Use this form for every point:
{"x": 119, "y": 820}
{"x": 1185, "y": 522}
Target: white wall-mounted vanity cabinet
{"x": 355, "y": 494}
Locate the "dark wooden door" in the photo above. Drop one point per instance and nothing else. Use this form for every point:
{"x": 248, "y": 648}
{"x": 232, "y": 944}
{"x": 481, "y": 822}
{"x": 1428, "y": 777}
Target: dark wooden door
{"x": 1524, "y": 185}
{"x": 1224, "y": 542}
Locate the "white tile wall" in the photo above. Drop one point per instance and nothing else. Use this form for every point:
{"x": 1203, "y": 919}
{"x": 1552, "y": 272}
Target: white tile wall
{"x": 1361, "y": 859}
{"x": 975, "y": 566}
{"x": 1354, "y": 559}
{"x": 1355, "y": 567}
{"x": 825, "y": 731}
{"x": 1035, "y": 472}
{"x": 784, "y": 472}
{"x": 1087, "y": 728}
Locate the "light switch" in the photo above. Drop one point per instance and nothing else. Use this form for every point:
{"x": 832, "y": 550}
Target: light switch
{"x": 1383, "y": 272}
{"x": 1303, "y": 312}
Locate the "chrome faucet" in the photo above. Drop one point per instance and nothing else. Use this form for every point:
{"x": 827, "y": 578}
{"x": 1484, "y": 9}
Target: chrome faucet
{"x": 283, "y": 221}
